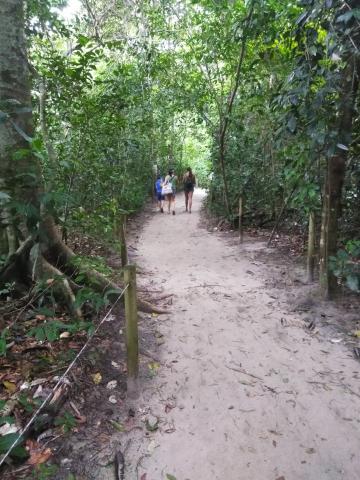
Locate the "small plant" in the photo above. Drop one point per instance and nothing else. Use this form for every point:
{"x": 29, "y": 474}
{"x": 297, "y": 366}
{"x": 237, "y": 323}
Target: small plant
{"x": 48, "y": 330}
{"x": 346, "y": 265}
{"x": 87, "y": 295}
{"x": 8, "y": 289}
{"x": 28, "y": 403}
{"x": 3, "y": 345}
{"x": 44, "y": 471}
{"x": 67, "y": 422}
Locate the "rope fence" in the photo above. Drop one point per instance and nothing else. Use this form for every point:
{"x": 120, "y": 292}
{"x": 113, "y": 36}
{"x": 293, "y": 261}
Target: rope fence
{"x": 61, "y": 379}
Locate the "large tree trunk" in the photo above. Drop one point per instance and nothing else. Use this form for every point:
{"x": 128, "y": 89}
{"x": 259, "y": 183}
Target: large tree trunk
{"x": 335, "y": 175}
{"x": 20, "y": 177}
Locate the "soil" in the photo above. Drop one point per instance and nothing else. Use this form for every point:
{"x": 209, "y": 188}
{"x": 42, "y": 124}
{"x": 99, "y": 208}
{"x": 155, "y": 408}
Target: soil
{"x": 257, "y": 379}
{"x": 250, "y": 376}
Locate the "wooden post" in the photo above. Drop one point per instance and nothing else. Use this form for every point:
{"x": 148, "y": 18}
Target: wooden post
{"x": 131, "y": 329}
{"x": 123, "y": 247}
{"x": 311, "y": 248}
{"x": 241, "y": 208}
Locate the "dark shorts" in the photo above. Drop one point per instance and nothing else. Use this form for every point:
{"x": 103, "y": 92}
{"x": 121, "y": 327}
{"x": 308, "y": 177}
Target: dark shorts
{"x": 188, "y": 188}
{"x": 160, "y": 197}
{"x": 170, "y": 195}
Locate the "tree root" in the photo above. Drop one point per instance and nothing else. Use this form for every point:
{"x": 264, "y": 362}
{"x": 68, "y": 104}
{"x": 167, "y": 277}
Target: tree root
{"x": 36, "y": 260}
{"x": 43, "y": 270}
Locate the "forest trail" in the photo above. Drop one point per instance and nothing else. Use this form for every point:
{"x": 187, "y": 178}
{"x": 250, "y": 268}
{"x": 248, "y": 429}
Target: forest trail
{"x": 238, "y": 395}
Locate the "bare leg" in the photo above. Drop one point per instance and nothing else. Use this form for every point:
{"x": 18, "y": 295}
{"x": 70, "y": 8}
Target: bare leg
{"x": 173, "y": 204}
{"x": 186, "y": 201}
{"x": 168, "y": 198}
{"x": 190, "y": 200}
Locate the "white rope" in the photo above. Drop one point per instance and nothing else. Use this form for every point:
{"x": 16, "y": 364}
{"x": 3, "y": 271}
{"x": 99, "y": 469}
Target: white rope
{"x": 61, "y": 379}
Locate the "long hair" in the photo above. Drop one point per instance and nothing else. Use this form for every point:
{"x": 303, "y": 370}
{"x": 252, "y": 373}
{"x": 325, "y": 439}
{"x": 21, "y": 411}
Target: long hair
{"x": 191, "y": 175}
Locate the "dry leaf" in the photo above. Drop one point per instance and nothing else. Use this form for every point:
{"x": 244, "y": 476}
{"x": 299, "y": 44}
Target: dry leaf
{"x": 96, "y": 378}
{"x": 10, "y": 386}
{"x": 143, "y": 476}
{"x": 37, "y": 454}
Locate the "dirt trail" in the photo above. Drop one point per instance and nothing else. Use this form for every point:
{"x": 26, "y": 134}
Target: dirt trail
{"x": 253, "y": 400}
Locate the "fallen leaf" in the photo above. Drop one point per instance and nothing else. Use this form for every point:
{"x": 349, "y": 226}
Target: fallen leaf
{"x": 356, "y": 333}
{"x": 143, "y": 476}
{"x": 168, "y": 407}
{"x": 37, "y": 454}
{"x": 96, "y": 378}
{"x": 153, "y": 367}
{"x": 111, "y": 385}
{"x": 10, "y": 386}
{"x": 8, "y": 428}
{"x": 117, "y": 425}
{"x": 170, "y": 477}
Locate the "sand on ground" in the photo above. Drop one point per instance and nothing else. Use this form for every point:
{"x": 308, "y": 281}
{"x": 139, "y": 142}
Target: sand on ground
{"x": 238, "y": 395}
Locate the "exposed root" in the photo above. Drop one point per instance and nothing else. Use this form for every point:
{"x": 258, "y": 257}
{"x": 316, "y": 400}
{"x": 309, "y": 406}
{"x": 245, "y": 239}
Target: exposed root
{"x": 34, "y": 261}
{"x": 42, "y": 269}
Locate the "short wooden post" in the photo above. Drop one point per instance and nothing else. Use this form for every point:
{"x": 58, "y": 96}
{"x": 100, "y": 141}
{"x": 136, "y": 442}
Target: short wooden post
{"x": 241, "y": 212}
{"x": 311, "y": 247}
{"x": 123, "y": 247}
{"x": 131, "y": 329}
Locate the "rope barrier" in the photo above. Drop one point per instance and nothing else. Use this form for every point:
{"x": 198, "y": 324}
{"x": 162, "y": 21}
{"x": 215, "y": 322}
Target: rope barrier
{"x": 60, "y": 381}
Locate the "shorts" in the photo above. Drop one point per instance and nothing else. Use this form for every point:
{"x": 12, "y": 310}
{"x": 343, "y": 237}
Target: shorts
{"x": 170, "y": 195}
{"x": 188, "y": 189}
{"x": 160, "y": 197}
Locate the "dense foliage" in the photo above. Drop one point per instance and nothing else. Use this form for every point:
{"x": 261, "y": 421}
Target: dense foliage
{"x": 252, "y": 94}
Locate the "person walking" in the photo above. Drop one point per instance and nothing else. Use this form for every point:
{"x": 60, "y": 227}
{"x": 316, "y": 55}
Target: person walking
{"x": 169, "y": 190}
{"x": 189, "y": 181}
{"x": 158, "y": 189}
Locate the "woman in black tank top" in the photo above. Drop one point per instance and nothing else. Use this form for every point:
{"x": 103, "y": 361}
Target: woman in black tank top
{"x": 189, "y": 184}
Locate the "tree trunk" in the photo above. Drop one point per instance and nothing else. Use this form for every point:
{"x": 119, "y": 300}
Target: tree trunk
{"x": 335, "y": 175}
{"x": 20, "y": 177}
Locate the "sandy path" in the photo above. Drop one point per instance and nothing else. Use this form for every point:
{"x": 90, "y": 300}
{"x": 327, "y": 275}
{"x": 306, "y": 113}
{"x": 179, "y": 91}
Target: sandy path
{"x": 253, "y": 400}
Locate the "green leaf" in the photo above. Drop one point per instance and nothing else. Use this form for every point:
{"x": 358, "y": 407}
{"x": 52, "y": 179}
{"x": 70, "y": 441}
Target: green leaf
{"x": 345, "y": 17}
{"x": 9, "y": 420}
{"x": 170, "y": 477}
{"x": 291, "y": 124}
{"x": 353, "y": 282}
{"x": 6, "y": 441}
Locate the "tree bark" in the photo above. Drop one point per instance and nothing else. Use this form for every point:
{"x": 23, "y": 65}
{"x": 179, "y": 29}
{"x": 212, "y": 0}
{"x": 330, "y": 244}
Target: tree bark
{"x": 19, "y": 171}
{"x": 335, "y": 175}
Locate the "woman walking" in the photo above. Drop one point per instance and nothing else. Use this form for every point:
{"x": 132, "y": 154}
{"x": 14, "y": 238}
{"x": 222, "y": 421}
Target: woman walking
{"x": 189, "y": 184}
{"x": 169, "y": 190}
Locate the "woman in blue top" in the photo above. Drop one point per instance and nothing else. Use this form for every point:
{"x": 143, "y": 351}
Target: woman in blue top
{"x": 160, "y": 197}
